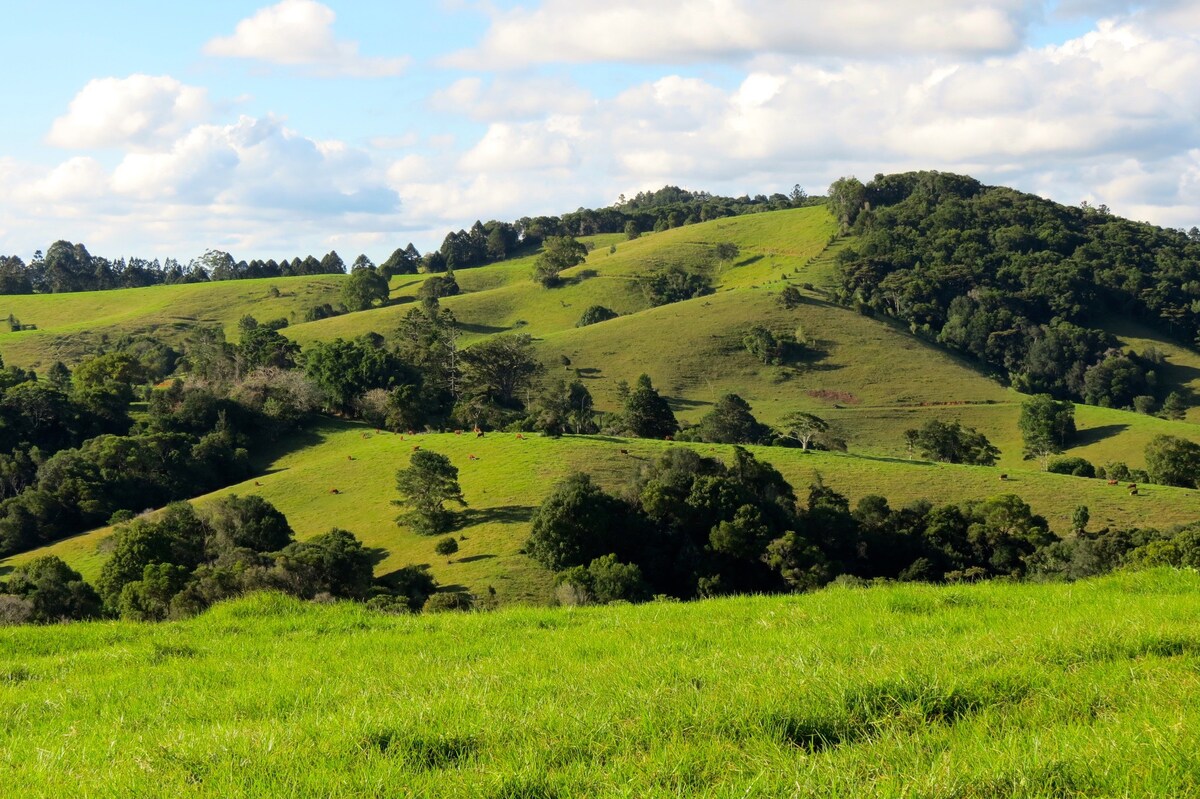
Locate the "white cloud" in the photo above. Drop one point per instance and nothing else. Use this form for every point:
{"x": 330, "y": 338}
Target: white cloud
{"x": 511, "y": 99}
{"x": 526, "y": 147}
{"x": 673, "y": 31}
{"x": 300, "y": 33}
{"x": 139, "y": 110}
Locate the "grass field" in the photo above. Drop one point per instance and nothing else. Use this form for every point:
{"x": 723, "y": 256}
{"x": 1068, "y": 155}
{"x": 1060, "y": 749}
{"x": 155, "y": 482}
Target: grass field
{"x": 986, "y": 690}
{"x": 511, "y": 476}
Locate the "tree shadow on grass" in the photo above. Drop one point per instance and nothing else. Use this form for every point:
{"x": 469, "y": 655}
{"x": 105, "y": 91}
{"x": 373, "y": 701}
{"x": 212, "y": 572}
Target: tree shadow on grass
{"x": 502, "y": 514}
{"x": 473, "y": 328}
{"x": 681, "y": 404}
{"x": 1094, "y": 434}
{"x": 473, "y": 558}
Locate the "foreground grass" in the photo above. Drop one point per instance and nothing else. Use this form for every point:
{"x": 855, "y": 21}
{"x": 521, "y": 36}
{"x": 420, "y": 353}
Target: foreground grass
{"x": 511, "y": 476}
{"x": 990, "y": 690}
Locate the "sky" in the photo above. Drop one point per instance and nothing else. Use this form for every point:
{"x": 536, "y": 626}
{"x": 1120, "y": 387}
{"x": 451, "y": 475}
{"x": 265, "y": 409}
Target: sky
{"x": 159, "y": 130}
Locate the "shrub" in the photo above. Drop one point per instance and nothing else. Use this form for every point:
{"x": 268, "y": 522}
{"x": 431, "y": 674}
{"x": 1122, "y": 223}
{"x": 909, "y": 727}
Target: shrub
{"x": 1077, "y": 467}
{"x": 449, "y": 601}
{"x": 594, "y": 314}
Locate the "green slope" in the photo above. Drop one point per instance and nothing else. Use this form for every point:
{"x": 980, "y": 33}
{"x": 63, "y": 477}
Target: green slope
{"x": 511, "y": 476}
{"x": 69, "y": 325}
{"x": 987, "y": 690}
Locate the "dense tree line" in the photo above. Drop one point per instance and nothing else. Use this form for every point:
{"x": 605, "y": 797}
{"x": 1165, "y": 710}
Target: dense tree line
{"x": 67, "y": 266}
{"x": 694, "y": 526}
{"x": 70, "y": 267}
{"x": 1019, "y": 282}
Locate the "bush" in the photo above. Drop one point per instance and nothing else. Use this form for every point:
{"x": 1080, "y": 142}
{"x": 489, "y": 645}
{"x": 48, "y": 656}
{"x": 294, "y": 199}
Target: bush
{"x": 1077, "y": 467}
{"x": 449, "y": 601}
{"x": 446, "y": 546}
{"x": 594, "y": 314}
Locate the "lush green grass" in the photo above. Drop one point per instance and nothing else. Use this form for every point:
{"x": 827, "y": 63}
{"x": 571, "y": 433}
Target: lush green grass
{"x": 511, "y": 476}
{"x": 69, "y": 325}
{"x": 989, "y": 690}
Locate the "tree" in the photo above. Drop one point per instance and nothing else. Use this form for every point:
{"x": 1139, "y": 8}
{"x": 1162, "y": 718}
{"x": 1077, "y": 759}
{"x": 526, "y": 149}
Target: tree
{"x": 402, "y": 261}
{"x": 345, "y": 370}
{"x": 595, "y": 314}
{"x": 429, "y": 481}
{"x": 332, "y": 264}
{"x": 790, "y": 297}
{"x": 631, "y": 230}
{"x": 499, "y": 369}
{"x": 726, "y": 251}
{"x": 363, "y": 288}
{"x": 248, "y": 522}
{"x": 1174, "y": 406}
{"x": 1173, "y": 461}
{"x": 731, "y": 422}
{"x": 438, "y": 286}
{"x": 446, "y": 546}
{"x": 1080, "y": 518}
{"x": 558, "y": 253}
{"x": 950, "y": 442}
{"x": 562, "y": 407}
{"x": 53, "y": 589}
{"x": 1046, "y": 425}
{"x": 646, "y": 414}
{"x": 335, "y": 563}
{"x": 576, "y": 523}
{"x": 804, "y": 427}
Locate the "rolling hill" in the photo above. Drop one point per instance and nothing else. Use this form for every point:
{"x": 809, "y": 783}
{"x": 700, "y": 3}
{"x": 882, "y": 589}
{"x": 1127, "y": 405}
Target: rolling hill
{"x": 512, "y": 476}
{"x": 869, "y": 376}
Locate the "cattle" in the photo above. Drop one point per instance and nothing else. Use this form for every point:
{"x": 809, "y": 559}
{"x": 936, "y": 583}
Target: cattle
{"x": 416, "y": 447}
{"x": 472, "y": 458}
{"x": 479, "y": 434}
{"x": 624, "y": 452}
{"x": 1004, "y": 477}
{"x": 458, "y": 432}
{"x": 1132, "y": 485}
{"x": 520, "y": 437}
{"x": 257, "y": 483}
{"x": 334, "y": 491}
{"x": 1114, "y": 482}
{"x": 349, "y": 457}
{"x": 1133, "y": 492}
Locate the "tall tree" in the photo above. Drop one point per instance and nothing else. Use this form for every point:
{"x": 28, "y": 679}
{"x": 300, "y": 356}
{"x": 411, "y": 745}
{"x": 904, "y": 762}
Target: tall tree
{"x": 425, "y": 485}
{"x": 1046, "y": 425}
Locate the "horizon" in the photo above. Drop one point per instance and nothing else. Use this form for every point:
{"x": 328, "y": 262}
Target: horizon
{"x": 301, "y": 127}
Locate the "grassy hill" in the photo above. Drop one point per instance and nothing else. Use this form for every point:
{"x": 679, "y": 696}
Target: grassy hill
{"x": 985, "y": 690}
{"x": 511, "y": 476}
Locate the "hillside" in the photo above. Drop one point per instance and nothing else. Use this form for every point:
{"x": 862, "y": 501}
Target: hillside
{"x": 512, "y": 476}
{"x": 984, "y": 690}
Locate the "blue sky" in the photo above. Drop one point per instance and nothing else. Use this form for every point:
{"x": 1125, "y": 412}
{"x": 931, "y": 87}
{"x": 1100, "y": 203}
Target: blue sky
{"x": 276, "y": 129}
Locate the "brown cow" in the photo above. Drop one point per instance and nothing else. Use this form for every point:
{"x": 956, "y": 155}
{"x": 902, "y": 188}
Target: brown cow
{"x": 334, "y": 491}
{"x": 1004, "y": 477}
{"x": 1133, "y": 492}
{"x": 416, "y": 447}
{"x": 1114, "y": 482}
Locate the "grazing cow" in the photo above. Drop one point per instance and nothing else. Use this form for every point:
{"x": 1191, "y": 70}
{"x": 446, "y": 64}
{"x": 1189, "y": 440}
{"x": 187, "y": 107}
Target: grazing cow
{"x": 472, "y": 458}
{"x": 1004, "y": 477}
{"x": 520, "y": 437}
{"x": 334, "y": 491}
{"x": 416, "y": 447}
{"x": 1132, "y": 485}
{"x": 479, "y": 434}
{"x": 412, "y": 432}
{"x": 257, "y": 483}
{"x": 666, "y": 438}
{"x": 349, "y": 457}
{"x": 458, "y": 432}
{"x": 624, "y": 452}
{"x": 1113, "y": 482}
{"x": 1133, "y": 492}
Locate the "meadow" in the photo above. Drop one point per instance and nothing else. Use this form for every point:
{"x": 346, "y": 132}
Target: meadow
{"x": 984, "y": 690}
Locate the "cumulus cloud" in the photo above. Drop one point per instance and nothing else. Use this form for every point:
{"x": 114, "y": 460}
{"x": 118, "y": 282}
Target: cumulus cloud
{"x": 676, "y": 31}
{"x": 137, "y": 111}
{"x": 300, "y": 33}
